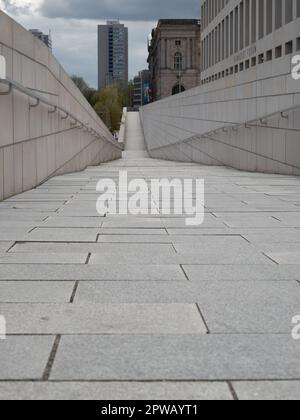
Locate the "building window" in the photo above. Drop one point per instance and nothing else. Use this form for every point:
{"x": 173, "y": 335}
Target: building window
{"x": 178, "y": 43}
{"x": 178, "y": 61}
{"x": 247, "y": 24}
{"x": 278, "y": 14}
{"x": 178, "y": 89}
{"x": 278, "y": 51}
{"x": 289, "y": 48}
{"x": 269, "y": 16}
{"x": 254, "y": 21}
{"x": 288, "y": 11}
{"x": 261, "y": 19}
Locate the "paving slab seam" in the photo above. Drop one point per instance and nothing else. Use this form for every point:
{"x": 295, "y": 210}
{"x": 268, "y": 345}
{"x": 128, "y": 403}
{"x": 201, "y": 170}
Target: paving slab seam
{"x": 270, "y": 258}
{"x": 184, "y": 272}
{"x": 74, "y": 291}
{"x": 50, "y": 362}
{"x": 232, "y": 391}
{"x": 143, "y": 381}
{"x": 203, "y": 319}
{"x": 88, "y": 258}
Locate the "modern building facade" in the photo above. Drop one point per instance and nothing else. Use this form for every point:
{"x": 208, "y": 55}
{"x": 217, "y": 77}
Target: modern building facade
{"x": 238, "y": 35}
{"x": 246, "y": 112}
{"x": 112, "y": 54}
{"x": 142, "y": 89}
{"x": 46, "y": 39}
{"x": 174, "y": 57}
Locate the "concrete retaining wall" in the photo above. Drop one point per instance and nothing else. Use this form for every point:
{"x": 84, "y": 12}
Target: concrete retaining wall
{"x": 173, "y": 126}
{"x": 35, "y": 144}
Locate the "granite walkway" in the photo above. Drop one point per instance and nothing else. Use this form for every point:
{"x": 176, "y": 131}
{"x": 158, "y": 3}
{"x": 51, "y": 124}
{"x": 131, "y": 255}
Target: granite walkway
{"x": 144, "y": 307}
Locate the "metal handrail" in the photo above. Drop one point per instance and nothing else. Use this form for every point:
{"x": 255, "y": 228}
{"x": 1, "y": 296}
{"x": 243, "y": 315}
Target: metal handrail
{"x": 235, "y": 127}
{"x": 39, "y": 99}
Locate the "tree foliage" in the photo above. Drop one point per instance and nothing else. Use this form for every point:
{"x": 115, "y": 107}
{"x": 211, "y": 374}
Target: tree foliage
{"x": 108, "y": 102}
{"x": 109, "y": 106}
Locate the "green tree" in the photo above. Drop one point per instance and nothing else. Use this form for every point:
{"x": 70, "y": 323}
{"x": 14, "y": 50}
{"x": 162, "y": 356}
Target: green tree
{"x": 129, "y": 94}
{"x": 80, "y": 83}
{"x": 108, "y": 102}
{"x": 109, "y": 105}
{"x": 89, "y": 93}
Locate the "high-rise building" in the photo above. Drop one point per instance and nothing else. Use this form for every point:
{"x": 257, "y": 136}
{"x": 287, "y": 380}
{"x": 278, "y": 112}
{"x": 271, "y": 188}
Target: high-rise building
{"x": 46, "y": 39}
{"x": 112, "y": 54}
{"x": 174, "y": 56}
{"x": 142, "y": 89}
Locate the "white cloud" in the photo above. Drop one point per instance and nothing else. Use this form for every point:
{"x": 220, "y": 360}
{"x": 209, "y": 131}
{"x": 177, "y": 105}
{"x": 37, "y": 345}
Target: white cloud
{"x": 21, "y": 6}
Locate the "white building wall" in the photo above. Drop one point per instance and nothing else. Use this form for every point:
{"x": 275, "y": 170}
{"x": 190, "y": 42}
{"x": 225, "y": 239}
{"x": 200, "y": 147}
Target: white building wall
{"x": 232, "y": 94}
{"x": 35, "y": 144}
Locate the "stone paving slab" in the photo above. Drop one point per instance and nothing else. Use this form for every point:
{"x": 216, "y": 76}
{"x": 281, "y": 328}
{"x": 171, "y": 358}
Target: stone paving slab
{"x": 202, "y": 357}
{"x": 30, "y": 217}
{"x": 138, "y": 302}
{"x": 272, "y": 272}
{"x": 285, "y": 257}
{"x": 267, "y": 391}
{"x": 86, "y": 272}
{"x": 111, "y": 391}
{"x": 273, "y": 235}
{"x": 130, "y": 222}
{"x": 248, "y": 307}
{"x": 109, "y": 249}
{"x": 72, "y": 222}
{"x": 39, "y": 206}
{"x": 63, "y": 234}
{"x": 30, "y": 258}
{"x": 38, "y": 292}
{"x": 225, "y": 256}
{"x": 110, "y": 232}
{"x": 24, "y": 357}
{"x": 185, "y": 241}
{"x": 102, "y": 319}
{"x": 4, "y": 246}
{"x": 135, "y": 292}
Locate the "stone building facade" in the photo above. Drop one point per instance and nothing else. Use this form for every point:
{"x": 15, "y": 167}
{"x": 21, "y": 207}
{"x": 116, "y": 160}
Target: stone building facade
{"x": 174, "y": 56}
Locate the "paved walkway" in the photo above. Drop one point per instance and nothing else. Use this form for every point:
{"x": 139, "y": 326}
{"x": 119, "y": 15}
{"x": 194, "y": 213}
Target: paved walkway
{"x": 144, "y": 307}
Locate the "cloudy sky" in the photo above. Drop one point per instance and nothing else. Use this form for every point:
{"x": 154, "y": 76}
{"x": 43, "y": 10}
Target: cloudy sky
{"x": 73, "y": 24}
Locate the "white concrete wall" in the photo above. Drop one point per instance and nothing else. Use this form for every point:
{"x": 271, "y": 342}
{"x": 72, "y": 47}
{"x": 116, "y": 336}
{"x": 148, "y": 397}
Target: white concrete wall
{"x": 173, "y": 126}
{"x": 33, "y": 143}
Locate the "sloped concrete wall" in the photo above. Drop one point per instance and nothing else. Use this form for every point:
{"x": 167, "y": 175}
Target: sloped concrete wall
{"x": 173, "y": 126}
{"x": 35, "y": 144}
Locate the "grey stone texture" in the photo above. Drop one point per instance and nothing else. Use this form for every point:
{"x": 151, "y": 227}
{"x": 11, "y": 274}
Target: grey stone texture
{"x": 146, "y": 298}
{"x": 24, "y": 357}
{"x": 38, "y": 292}
{"x": 102, "y": 319}
{"x": 202, "y": 357}
{"x": 268, "y": 390}
{"x": 126, "y": 391}
{"x": 36, "y": 144}
{"x": 243, "y": 86}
